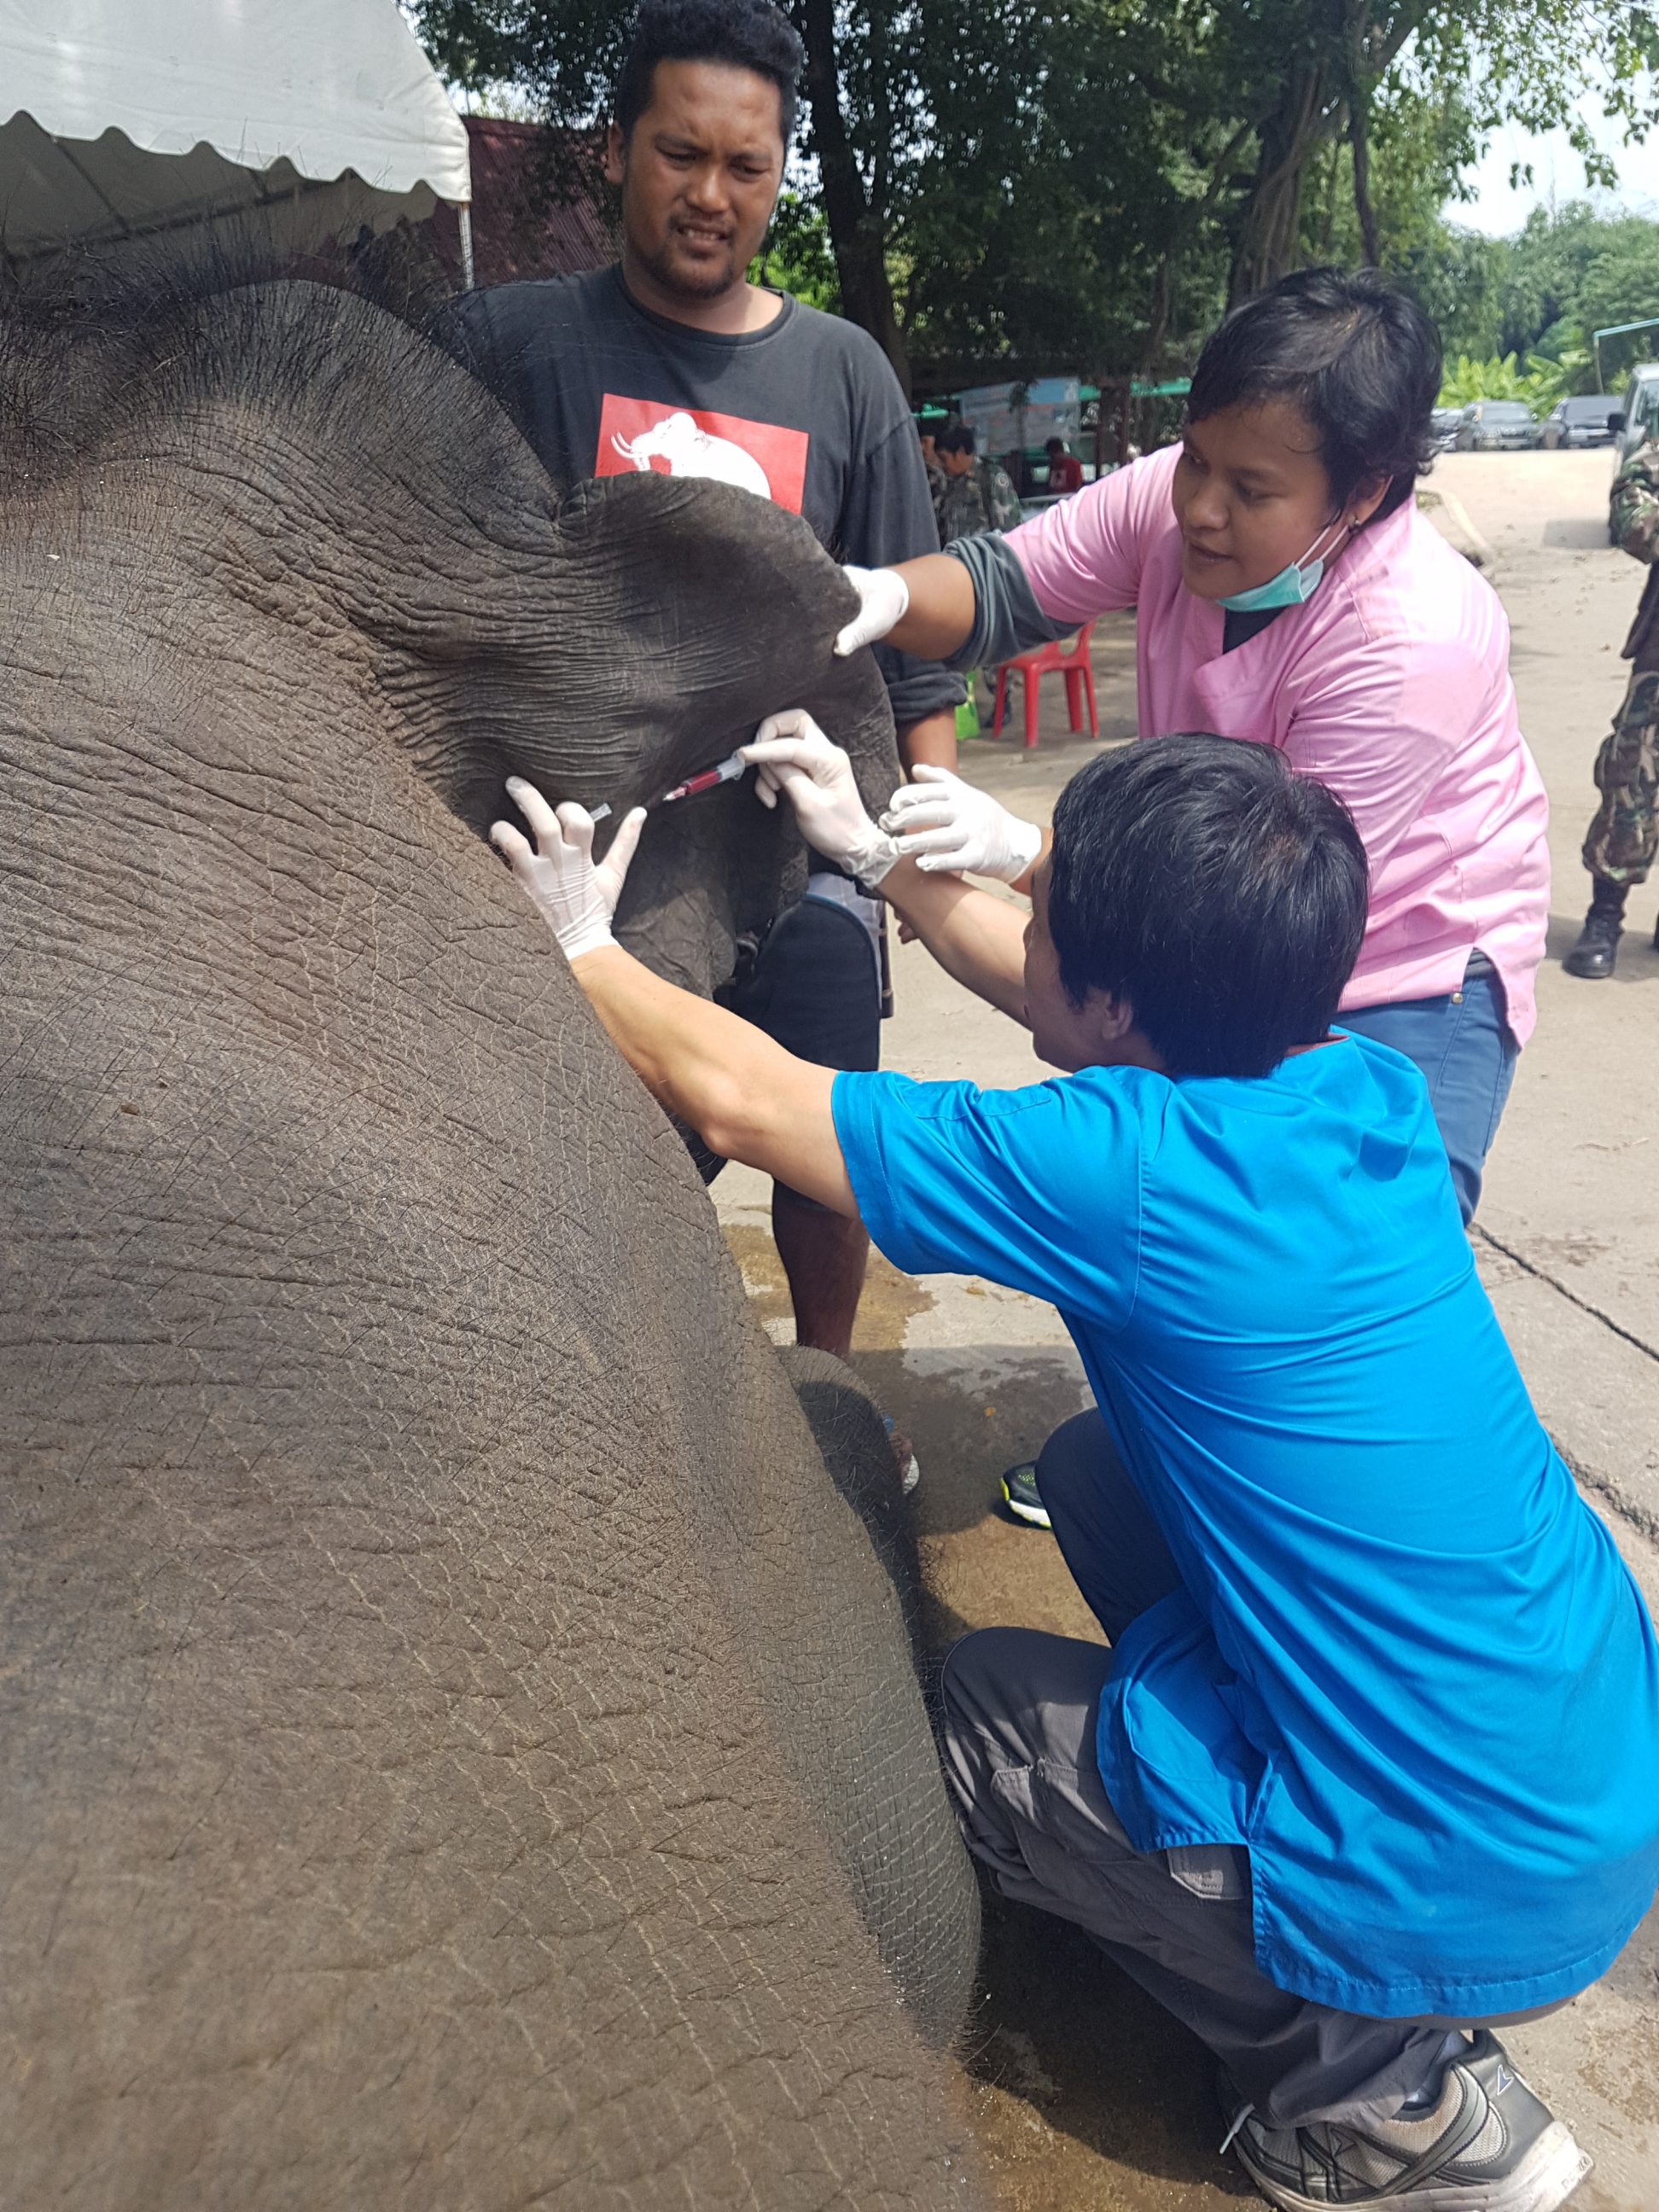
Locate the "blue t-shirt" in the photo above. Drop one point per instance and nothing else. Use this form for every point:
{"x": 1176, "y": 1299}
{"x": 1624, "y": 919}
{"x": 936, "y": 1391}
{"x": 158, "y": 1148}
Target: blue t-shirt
{"x": 1406, "y": 1666}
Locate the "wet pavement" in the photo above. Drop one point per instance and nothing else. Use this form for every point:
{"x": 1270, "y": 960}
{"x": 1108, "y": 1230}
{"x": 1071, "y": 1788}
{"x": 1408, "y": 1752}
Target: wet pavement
{"x": 1082, "y": 2094}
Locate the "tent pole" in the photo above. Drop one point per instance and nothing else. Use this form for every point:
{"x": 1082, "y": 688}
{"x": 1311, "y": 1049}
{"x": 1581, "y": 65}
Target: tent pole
{"x": 463, "y": 223}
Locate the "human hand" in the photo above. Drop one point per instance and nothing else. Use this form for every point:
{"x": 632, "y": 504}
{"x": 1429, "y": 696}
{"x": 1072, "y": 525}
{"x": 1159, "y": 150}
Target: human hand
{"x": 942, "y": 824}
{"x": 575, "y": 897}
{"x": 791, "y": 754}
{"x": 884, "y": 600}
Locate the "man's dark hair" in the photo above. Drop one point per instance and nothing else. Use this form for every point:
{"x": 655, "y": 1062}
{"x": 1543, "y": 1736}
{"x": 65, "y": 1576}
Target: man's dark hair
{"x": 956, "y": 438}
{"x": 1358, "y": 356}
{"x": 1055, "y": 445}
{"x": 1221, "y": 894}
{"x": 750, "y": 34}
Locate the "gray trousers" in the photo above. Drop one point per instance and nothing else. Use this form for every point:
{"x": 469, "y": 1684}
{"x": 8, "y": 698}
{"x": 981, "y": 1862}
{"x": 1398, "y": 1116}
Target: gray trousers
{"x": 1019, "y": 1711}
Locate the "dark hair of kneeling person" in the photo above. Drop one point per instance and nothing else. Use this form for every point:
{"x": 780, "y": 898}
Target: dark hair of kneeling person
{"x": 1221, "y": 894}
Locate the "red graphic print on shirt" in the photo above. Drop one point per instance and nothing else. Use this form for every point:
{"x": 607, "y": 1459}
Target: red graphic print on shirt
{"x": 690, "y": 441}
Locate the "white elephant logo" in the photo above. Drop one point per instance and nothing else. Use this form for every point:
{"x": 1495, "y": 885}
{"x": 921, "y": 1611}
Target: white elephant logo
{"x": 690, "y": 452}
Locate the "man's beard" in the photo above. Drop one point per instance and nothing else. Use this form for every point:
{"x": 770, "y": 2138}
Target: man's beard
{"x": 704, "y": 280}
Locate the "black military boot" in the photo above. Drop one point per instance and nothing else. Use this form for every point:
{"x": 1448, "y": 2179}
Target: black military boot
{"x": 1597, "y": 949}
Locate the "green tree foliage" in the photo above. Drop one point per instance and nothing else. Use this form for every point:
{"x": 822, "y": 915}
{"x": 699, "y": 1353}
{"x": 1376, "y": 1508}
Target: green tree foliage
{"x": 1068, "y": 223}
{"x": 1033, "y": 184}
{"x": 1537, "y": 297}
{"x": 1306, "y": 75}
{"x": 1542, "y": 381}
{"x": 1458, "y": 277}
{"x": 798, "y": 258}
{"x": 1621, "y": 285}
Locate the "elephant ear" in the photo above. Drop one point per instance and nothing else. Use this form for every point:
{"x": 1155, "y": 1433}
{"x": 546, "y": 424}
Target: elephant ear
{"x": 704, "y": 609}
{"x": 663, "y": 620}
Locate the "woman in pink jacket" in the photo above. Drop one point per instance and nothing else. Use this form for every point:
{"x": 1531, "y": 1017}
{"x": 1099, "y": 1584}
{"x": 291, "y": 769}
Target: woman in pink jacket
{"x": 1287, "y": 590}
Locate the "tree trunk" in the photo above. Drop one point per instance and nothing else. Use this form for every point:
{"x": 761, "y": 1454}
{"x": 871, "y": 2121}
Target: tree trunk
{"x": 1157, "y": 314}
{"x": 1328, "y": 229}
{"x": 1359, "y": 138}
{"x": 857, "y": 235}
{"x": 1269, "y": 224}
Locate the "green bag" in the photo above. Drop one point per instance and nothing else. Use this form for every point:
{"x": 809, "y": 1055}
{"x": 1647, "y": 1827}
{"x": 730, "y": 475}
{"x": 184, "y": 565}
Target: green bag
{"x": 968, "y": 713}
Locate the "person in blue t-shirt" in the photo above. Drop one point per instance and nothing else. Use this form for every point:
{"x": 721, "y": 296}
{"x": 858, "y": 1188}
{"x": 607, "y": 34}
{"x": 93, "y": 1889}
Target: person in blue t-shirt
{"x": 1371, "y": 1765}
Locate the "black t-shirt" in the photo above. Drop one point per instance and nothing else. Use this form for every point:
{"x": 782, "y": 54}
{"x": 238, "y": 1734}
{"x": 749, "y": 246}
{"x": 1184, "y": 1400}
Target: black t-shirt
{"x": 807, "y": 412}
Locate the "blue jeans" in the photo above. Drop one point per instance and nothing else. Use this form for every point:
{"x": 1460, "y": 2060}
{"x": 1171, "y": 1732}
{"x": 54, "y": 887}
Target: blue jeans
{"x": 1461, "y": 1042}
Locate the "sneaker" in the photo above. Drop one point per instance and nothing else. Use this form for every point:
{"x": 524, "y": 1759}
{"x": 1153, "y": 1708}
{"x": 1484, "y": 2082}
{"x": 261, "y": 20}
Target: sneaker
{"x": 1489, "y": 2145}
{"x": 1022, "y": 1497}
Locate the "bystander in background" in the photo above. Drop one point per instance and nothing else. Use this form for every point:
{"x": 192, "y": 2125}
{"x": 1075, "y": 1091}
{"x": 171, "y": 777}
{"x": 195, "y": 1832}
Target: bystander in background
{"x": 1065, "y": 470}
{"x": 974, "y": 493}
{"x": 1618, "y": 848}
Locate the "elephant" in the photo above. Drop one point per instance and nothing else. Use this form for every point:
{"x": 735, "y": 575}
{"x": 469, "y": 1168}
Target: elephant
{"x": 460, "y": 1740}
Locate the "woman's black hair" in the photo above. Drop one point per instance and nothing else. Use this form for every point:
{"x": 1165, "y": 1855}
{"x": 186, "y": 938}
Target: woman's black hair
{"x": 1359, "y": 357}
{"x": 750, "y": 34}
{"x": 956, "y": 438}
{"x": 1220, "y": 893}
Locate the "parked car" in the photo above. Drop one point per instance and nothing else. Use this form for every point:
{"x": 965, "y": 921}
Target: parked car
{"x": 1587, "y": 420}
{"x": 1491, "y": 426}
{"x": 1443, "y": 428}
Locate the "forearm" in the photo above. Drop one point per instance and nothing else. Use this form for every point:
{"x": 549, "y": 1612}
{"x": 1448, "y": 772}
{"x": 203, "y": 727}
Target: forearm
{"x": 932, "y": 739}
{"x": 747, "y": 1098}
{"x": 939, "y": 619}
{"x": 1007, "y": 619}
{"x": 977, "y": 939}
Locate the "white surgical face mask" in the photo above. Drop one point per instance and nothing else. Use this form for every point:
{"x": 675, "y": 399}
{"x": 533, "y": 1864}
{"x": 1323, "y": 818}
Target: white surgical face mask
{"x": 1294, "y": 586}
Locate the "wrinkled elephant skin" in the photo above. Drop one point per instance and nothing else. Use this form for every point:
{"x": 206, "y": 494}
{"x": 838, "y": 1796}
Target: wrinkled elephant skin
{"x": 457, "y": 1740}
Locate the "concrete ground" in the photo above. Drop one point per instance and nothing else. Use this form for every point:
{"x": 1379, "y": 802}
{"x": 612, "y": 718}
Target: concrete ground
{"x": 1082, "y": 2094}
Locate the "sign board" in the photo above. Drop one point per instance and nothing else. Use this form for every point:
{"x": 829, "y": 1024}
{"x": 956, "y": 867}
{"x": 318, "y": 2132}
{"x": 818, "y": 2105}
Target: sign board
{"x": 1052, "y": 408}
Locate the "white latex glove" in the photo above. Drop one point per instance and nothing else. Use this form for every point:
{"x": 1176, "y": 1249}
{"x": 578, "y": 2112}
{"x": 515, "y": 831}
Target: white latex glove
{"x": 790, "y": 754}
{"x": 575, "y": 899}
{"x": 884, "y": 600}
{"x": 942, "y": 824}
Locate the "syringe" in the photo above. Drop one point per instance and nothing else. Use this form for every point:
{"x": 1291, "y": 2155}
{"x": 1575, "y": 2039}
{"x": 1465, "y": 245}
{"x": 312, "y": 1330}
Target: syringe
{"x": 728, "y": 771}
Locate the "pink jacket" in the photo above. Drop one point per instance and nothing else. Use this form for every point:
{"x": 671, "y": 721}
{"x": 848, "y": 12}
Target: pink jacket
{"x": 1392, "y": 685}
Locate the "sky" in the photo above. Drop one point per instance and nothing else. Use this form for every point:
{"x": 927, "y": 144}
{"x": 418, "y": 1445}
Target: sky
{"x": 1558, "y": 171}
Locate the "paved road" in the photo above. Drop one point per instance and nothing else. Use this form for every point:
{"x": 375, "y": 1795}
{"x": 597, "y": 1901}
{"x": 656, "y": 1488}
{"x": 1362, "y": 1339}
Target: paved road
{"x": 1084, "y": 2096}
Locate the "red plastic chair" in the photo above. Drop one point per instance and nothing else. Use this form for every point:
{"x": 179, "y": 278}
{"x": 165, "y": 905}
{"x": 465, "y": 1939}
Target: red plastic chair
{"x": 1071, "y": 662}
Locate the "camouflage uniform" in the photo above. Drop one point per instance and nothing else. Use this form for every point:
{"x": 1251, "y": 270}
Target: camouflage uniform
{"x": 1622, "y": 839}
{"x": 981, "y": 498}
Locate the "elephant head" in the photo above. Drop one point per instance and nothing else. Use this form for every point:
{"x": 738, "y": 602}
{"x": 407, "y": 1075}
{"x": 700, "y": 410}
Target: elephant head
{"x": 351, "y": 482}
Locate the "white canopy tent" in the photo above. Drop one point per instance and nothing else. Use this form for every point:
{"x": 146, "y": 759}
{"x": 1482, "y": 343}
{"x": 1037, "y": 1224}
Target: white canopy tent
{"x": 131, "y": 118}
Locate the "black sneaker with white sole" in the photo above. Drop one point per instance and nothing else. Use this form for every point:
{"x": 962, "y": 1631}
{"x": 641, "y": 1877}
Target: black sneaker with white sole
{"x": 1489, "y": 2145}
{"x": 1022, "y": 1497}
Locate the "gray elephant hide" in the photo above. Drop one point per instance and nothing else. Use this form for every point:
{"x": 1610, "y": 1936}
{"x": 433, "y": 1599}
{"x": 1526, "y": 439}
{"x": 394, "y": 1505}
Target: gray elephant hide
{"x": 457, "y": 1740}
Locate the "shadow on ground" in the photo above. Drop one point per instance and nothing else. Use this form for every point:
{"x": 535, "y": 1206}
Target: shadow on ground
{"x": 1577, "y": 533}
{"x": 1638, "y": 959}
{"x": 1082, "y": 2093}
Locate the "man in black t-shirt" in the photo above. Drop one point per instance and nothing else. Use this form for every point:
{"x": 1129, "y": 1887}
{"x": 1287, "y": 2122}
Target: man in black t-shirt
{"x": 674, "y": 361}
